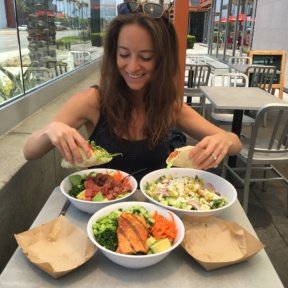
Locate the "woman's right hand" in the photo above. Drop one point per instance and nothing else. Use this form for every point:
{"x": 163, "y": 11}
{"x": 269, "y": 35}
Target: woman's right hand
{"x": 67, "y": 140}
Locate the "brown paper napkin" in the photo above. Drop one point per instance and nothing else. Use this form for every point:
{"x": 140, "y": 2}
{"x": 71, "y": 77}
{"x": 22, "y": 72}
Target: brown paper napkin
{"x": 216, "y": 243}
{"x": 56, "y": 247}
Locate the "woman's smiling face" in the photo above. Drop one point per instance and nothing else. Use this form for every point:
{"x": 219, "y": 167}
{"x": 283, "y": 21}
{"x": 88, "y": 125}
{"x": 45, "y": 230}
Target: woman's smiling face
{"x": 135, "y": 57}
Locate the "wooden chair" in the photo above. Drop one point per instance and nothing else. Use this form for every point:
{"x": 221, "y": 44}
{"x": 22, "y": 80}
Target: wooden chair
{"x": 261, "y": 153}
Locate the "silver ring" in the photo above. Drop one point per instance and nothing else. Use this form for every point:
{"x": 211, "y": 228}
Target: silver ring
{"x": 214, "y": 157}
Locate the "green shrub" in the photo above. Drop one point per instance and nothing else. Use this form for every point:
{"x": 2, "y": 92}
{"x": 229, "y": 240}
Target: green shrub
{"x": 66, "y": 42}
{"x": 190, "y": 41}
{"x": 97, "y": 39}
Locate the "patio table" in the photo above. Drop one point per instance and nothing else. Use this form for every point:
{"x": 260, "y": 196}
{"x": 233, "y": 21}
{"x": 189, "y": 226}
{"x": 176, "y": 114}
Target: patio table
{"x": 177, "y": 270}
{"x": 238, "y": 99}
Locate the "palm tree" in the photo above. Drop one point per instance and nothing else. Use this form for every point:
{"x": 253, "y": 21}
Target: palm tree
{"x": 41, "y": 31}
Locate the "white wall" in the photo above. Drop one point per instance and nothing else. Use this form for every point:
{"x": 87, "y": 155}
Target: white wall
{"x": 271, "y": 27}
{"x": 3, "y": 20}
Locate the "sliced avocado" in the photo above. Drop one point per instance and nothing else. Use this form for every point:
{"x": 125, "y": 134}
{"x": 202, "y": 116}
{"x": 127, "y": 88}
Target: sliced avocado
{"x": 150, "y": 241}
{"x": 98, "y": 197}
{"x": 75, "y": 179}
{"x": 161, "y": 245}
{"x": 81, "y": 195}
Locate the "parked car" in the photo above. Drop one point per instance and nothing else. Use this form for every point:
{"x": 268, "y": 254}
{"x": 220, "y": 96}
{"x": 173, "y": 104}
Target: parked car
{"x": 22, "y": 28}
{"x": 60, "y": 26}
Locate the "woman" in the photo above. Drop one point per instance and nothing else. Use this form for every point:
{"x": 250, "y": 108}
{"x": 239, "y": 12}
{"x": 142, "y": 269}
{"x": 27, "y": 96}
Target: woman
{"x": 135, "y": 105}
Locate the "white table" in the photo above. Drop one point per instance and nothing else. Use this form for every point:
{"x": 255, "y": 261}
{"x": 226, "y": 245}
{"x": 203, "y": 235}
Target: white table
{"x": 177, "y": 270}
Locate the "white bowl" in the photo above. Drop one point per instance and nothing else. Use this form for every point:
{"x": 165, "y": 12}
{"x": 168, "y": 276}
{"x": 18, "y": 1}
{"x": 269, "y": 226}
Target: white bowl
{"x": 221, "y": 185}
{"x": 136, "y": 261}
{"x": 90, "y": 206}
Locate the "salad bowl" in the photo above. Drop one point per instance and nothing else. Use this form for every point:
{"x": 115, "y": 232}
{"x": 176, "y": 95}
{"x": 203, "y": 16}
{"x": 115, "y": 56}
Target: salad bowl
{"x": 96, "y": 201}
{"x": 135, "y": 261}
{"x": 204, "y": 194}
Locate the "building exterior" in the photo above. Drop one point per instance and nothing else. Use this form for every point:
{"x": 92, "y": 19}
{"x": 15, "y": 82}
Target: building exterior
{"x": 233, "y": 27}
{"x": 271, "y": 26}
{"x": 3, "y": 19}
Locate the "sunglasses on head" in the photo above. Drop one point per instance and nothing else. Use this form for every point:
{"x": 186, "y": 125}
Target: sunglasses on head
{"x": 152, "y": 9}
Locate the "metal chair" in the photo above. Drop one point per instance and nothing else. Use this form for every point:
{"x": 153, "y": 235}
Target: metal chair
{"x": 229, "y": 79}
{"x": 262, "y": 153}
{"x": 58, "y": 67}
{"x": 79, "y": 57}
{"x": 238, "y": 63}
{"x": 61, "y": 67}
{"x": 196, "y": 75}
{"x": 38, "y": 75}
{"x": 240, "y": 60}
{"x": 196, "y": 59}
{"x": 261, "y": 76}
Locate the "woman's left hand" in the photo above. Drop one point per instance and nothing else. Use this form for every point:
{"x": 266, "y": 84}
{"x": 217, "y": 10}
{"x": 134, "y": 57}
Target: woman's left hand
{"x": 211, "y": 150}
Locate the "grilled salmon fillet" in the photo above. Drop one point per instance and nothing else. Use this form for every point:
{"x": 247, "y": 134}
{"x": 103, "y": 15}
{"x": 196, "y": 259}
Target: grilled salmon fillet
{"x": 132, "y": 233}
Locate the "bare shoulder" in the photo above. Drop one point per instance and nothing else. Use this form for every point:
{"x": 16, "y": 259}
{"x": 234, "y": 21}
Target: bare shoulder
{"x": 81, "y": 108}
{"x": 88, "y": 97}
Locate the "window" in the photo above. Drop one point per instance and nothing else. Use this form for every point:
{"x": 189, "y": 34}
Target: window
{"x": 43, "y": 45}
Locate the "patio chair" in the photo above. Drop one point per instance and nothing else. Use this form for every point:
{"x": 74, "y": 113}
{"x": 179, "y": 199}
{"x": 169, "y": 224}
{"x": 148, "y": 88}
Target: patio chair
{"x": 239, "y": 63}
{"x": 261, "y": 76}
{"x": 196, "y": 75}
{"x": 229, "y": 79}
{"x": 79, "y": 57}
{"x": 265, "y": 148}
{"x": 196, "y": 59}
{"x": 58, "y": 67}
{"x": 38, "y": 75}
{"x": 240, "y": 60}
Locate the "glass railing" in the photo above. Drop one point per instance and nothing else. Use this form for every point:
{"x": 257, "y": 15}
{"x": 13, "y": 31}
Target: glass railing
{"x": 52, "y": 38}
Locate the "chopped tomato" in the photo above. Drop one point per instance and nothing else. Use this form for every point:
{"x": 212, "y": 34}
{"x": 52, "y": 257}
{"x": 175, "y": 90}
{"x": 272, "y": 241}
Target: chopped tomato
{"x": 173, "y": 155}
{"x": 110, "y": 186}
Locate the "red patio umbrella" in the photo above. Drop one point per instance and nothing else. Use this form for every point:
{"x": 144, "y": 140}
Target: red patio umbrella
{"x": 223, "y": 20}
{"x": 241, "y": 17}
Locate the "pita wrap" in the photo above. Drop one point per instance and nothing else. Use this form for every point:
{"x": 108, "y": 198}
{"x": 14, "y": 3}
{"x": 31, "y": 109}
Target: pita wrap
{"x": 180, "y": 158}
{"x": 98, "y": 157}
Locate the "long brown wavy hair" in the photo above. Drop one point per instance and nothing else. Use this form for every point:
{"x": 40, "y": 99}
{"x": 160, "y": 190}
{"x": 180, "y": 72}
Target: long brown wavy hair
{"x": 162, "y": 102}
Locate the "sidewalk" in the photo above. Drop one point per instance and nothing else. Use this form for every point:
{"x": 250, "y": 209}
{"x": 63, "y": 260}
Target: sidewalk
{"x": 8, "y": 31}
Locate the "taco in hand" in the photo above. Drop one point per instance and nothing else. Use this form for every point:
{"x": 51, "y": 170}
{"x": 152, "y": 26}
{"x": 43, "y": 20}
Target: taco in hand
{"x": 98, "y": 156}
{"x": 180, "y": 158}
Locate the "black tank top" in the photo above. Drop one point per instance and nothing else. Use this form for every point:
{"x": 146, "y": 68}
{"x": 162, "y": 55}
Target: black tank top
{"x": 136, "y": 154}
